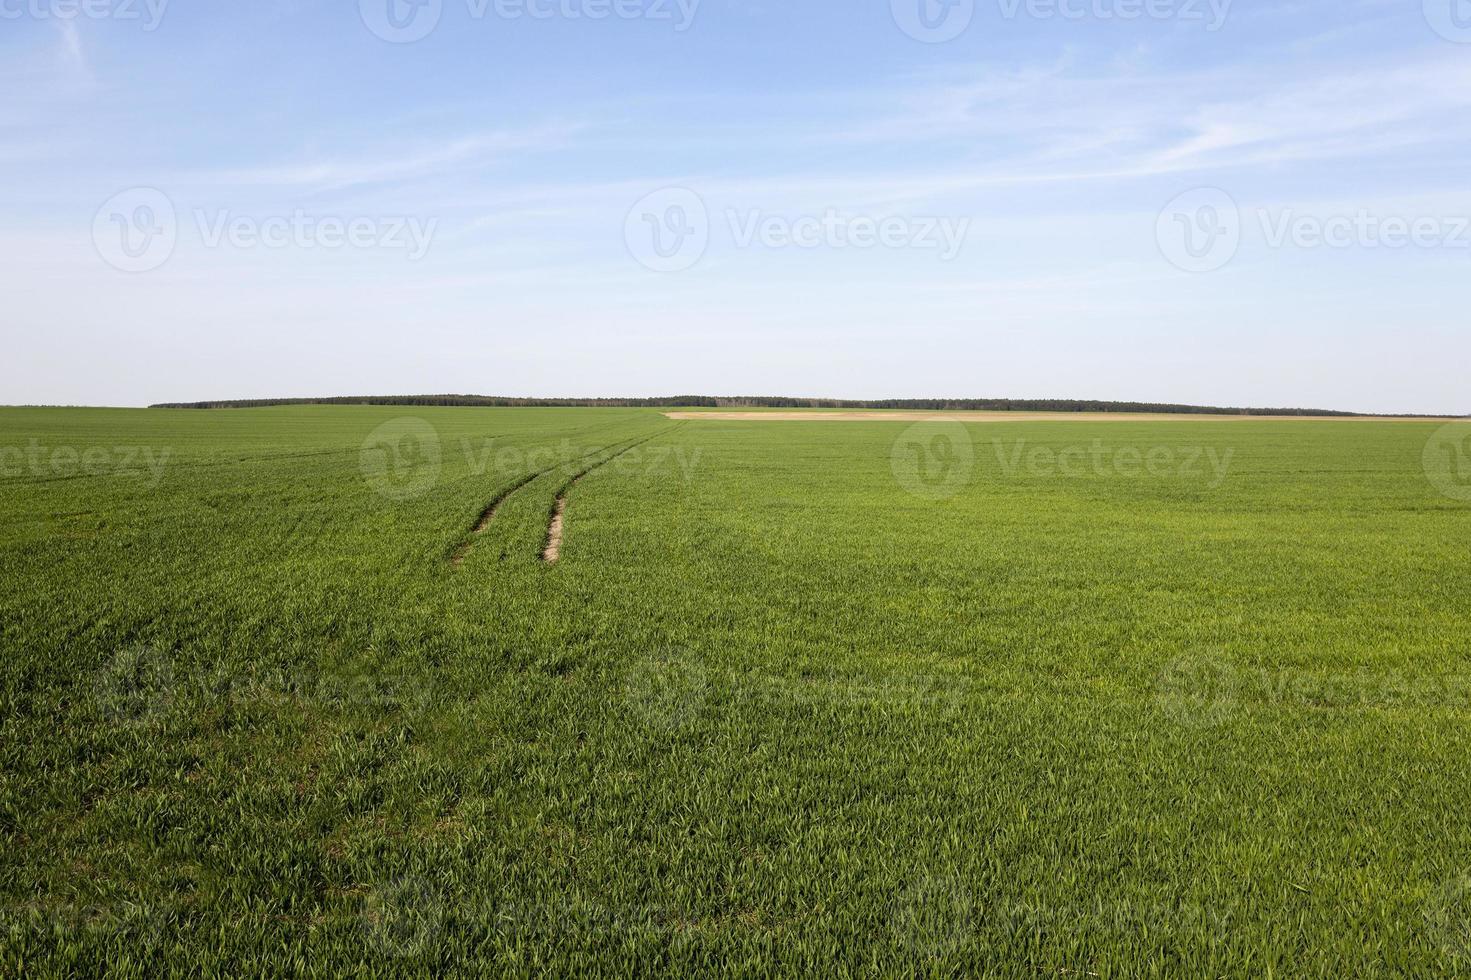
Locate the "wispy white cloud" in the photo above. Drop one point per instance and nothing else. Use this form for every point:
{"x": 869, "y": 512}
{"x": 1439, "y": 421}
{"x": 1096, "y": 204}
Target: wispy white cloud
{"x": 1053, "y": 117}
{"x": 459, "y": 155}
{"x": 71, "y": 45}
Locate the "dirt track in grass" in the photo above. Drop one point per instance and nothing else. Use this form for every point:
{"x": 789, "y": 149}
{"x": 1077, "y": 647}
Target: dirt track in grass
{"x": 552, "y": 550}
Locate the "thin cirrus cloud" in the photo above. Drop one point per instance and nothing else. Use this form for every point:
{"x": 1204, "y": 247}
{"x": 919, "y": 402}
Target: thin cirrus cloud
{"x": 456, "y": 155}
{"x": 1057, "y": 128}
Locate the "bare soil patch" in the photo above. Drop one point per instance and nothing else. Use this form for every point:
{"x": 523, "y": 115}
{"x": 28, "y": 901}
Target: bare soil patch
{"x": 905, "y": 415}
{"x": 552, "y": 550}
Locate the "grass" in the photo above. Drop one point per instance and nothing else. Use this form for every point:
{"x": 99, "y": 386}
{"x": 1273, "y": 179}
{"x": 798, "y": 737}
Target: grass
{"x": 830, "y": 698}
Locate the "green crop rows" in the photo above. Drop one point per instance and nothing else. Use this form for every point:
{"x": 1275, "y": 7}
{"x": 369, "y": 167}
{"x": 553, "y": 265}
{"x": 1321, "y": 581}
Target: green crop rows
{"x": 1023, "y": 699}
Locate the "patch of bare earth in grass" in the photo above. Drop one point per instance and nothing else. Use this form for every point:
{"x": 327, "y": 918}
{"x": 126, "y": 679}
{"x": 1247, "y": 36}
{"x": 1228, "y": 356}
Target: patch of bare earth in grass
{"x": 552, "y": 550}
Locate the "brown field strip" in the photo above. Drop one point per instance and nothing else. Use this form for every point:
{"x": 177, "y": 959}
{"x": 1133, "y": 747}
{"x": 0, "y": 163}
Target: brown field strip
{"x": 905, "y": 415}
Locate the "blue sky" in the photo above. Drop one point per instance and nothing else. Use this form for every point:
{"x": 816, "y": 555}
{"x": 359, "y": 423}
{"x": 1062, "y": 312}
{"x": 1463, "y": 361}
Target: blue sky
{"x": 505, "y": 175}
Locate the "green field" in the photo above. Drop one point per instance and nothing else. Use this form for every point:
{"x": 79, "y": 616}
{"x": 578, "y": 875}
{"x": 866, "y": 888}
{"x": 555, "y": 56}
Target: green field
{"x": 1012, "y": 699}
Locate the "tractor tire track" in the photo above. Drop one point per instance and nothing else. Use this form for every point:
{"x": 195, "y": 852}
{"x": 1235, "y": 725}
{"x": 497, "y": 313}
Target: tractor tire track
{"x": 482, "y": 524}
{"x": 551, "y": 549}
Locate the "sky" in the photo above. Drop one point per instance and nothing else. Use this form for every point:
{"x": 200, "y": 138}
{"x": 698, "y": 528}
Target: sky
{"x": 1224, "y": 202}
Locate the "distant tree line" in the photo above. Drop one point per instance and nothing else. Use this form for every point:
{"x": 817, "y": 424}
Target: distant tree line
{"x": 763, "y": 401}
